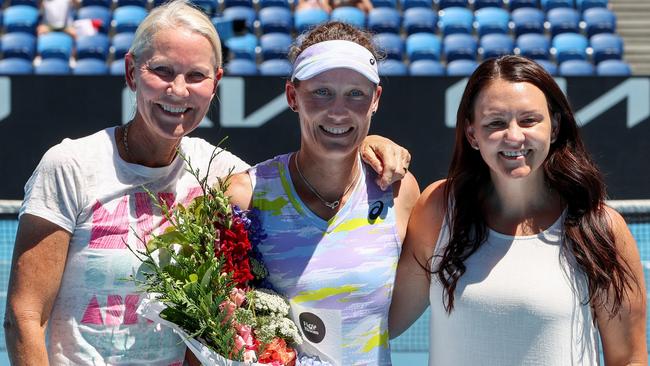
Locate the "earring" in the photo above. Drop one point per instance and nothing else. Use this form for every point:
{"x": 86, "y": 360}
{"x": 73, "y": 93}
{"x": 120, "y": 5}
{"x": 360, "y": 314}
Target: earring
{"x": 475, "y": 147}
{"x": 293, "y": 108}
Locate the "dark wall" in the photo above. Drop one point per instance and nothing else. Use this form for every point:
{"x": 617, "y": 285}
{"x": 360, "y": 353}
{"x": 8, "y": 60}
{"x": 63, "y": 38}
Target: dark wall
{"x": 37, "y": 112}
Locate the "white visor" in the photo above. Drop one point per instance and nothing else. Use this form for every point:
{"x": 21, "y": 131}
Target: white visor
{"x": 328, "y": 55}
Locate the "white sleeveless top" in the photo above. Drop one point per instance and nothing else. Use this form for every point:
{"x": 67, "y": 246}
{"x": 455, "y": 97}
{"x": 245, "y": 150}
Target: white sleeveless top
{"x": 522, "y": 301}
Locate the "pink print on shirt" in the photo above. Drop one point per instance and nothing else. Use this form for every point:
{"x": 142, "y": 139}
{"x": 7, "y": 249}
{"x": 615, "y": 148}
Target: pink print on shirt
{"x": 117, "y": 312}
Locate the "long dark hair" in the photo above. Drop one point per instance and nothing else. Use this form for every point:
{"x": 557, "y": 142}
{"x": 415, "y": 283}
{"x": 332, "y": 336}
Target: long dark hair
{"x": 568, "y": 169}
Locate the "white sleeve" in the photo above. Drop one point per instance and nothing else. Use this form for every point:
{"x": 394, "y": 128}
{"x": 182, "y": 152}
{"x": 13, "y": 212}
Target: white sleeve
{"x": 53, "y": 192}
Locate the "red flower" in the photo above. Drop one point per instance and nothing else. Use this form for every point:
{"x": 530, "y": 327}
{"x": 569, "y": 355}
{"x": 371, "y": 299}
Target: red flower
{"x": 235, "y": 248}
{"x": 278, "y": 352}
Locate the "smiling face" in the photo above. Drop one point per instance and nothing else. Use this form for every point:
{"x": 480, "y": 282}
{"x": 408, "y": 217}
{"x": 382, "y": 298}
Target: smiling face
{"x": 512, "y": 128}
{"x": 335, "y": 108}
{"x": 175, "y": 81}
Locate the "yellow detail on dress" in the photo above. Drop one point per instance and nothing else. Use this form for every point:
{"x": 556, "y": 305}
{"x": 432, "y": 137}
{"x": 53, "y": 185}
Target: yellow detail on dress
{"x": 353, "y": 224}
{"x": 323, "y": 293}
{"x": 377, "y": 340}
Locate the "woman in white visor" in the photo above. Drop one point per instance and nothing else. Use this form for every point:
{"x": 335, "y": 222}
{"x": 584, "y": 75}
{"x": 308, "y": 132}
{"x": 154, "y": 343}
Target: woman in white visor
{"x": 334, "y": 236}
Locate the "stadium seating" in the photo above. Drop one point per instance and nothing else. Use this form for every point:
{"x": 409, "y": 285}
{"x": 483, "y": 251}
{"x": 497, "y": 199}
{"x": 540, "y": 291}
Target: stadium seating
{"x": 421, "y": 46}
{"x": 518, "y": 4}
{"x": 276, "y": 67}
{"x": 456, "y": 20}
{"x": 243, "y": 46}
{"x": 461, "y": 67}
{"x": 569, "y": 46}
{"x": 241, "y": 67}
{"x": 55, "y": 45}
{"x": 32, "y": 3}
{"x": 98, "y": 12}
{"x": 274, "y": 3}
{"x": 599, "y": 20}
{"x": 613, "y": 68}
{"x": 208, "y": 6}
{"x": 53, "y": 66}
{"x": 391, "y": 67}
{"x": 15, "y": 66}
{"x": 420, "y": 20}
{"x": 382, "y": 20}
{"x": 583, "y": 5}
{"x": 528, "y": 20}
{"x": 350, "y": 15}
{"x": 443, "y": 4}
{"x": 140, "y": 3}
{"x": 549, "y": 66}
{"x": 241, "y": 13}
{"x": 495, "y": 45}
{"x": 95, "y": 46}
{"x": 275, "y": 19}
{"x": 480, "y": 4}
{"x": 606, "y": 46}
{"x": 552, "y": 4}
{"x": 275, "y": 45}
{"x": 226, "y": 27}
{"x": 426, "y": 68}
{"x": 117, "y": 67}
{"x": 459, "y": 46}
{"x": 18, "y": 44}
{"x": 308, "y": 18}
{"x": 20, "y": 18}
{"x": 90, "y": 66}
{"x": 231, "y": 3}
{"x": 408, "y": 4}
{"x": 105, "y": 3}
{"x": 563, "y": 20}
{"x": 533, "y": 45}
{"x": 127, "y": 18}
{"x": 491, "y": 20}
{"x": 120, "y": 44}
{"x": 576, "y": 68}
{"x": 389, "y": 44}
{"x": 384, "y": 4}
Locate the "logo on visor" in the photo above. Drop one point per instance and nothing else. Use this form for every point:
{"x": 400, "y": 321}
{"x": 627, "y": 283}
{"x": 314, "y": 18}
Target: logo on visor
{"x": 372, "y": 61}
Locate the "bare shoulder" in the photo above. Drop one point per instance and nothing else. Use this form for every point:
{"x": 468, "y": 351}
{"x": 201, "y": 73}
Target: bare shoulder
{"x": 433, "y": 199}
{"x": 426, "y": 221}
{"x": 622, "y": 234}
{"x": 406, "y": 191}
{"x": 240, "y": 190}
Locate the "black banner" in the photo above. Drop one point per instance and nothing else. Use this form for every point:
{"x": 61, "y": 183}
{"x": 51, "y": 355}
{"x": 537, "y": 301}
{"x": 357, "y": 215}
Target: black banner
{"x": 37, "y": 112}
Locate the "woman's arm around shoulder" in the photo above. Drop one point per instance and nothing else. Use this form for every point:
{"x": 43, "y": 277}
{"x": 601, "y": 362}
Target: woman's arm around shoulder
{"x": 624, "y": 335}
{"x": 411, "y": 292}
{"x": 37, "y": 267}
{"x": 240, "y": 190}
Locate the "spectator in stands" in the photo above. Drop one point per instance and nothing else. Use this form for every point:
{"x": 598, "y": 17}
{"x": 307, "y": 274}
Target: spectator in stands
{"x": 58, "y": 16}
{"x": 333, "y": 248}
{"x": 328, "y": 5}
{"x": 519, "y": 256}
{"x": 85, "y": 202}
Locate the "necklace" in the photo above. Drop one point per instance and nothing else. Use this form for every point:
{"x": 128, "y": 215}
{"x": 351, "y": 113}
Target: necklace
{"x": 125, "y": 140}
{"x": 331, "y": 205}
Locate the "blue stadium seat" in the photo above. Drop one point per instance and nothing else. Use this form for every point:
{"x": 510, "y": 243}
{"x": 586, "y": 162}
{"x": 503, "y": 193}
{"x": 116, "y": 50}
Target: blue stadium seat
{"x": 389, "y": 44}
{"x": 552, "y": 4}
{"x": 208, "y": 6}
{"x": 55, "y": 45}
{"x": 276, "y": 67}
{"x": 18, "y": 44}
{"x": 120, "y": 44}
{"x": 140, "y": 3}
{"x": 275, "y": 19}
{"x": 241, "y": 67}
{"x": 408, "y": 4}
{"x": 563, "y": 20}
{"x": 480, "y": 4}
{"x": 95, "y": 46}
{"x": 104, "y": 3}
{"x": 231, "y": 3}
{"x": 127, "y": 18}
{"x": 583, "y": 5}
{"x": 53, "y": 66}
{"x": 309, "y": 18}
{"x": 90, "y": 66}
{"x": 241, "y": 13}
{"x": 606, "y": 46}
{"x": 528, "y": 20}
{"x": 613, "y": 68}
{"x": 15, "y": 66}
{"x": 549, "y": 66}
{"x": 459, "y": 46}
{"x": 32, "y": 3}
{"x": 117, "y": 67}
{"x": 275, "y": 45}
{"x": 492, "y": 20}
{"x": 599, "y": 20}
{"x": 20, "y": 18}
{"x": 461, "y": 67}
{"x": 426, "y": 68}
{"x": 518, "y": 4}
{"x": 420, "y": 20}
{"x": 576, "y": 68}
{"x": 225, "y": 28}
{"x": 569, "y": 46}
{"x": 384, "y": 4}
{"x": 100, "y": 13}
{"x": 243, "y": 46}
{"x": 273, "y": 3}
{"x": 382, "y": 20}
{"x": 390, "y": 67}
{"x": 350, "y": 15}
{"x": 533, "y": 45}
{"x": 443, "y": 4}
{"x": 456, "y": 20}
{"x": 423, "y": 46}
{"x": 495, "y": 45}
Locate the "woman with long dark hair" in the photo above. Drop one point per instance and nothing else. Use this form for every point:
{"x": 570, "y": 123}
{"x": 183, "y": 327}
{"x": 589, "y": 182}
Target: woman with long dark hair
{"x": 516, "y": 251}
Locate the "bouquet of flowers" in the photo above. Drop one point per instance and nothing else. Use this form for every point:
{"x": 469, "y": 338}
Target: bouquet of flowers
{"x": 203, "y": 277}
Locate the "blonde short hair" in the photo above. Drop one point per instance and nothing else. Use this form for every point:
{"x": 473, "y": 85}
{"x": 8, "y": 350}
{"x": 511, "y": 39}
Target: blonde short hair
{"x": 175, "y": 14}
